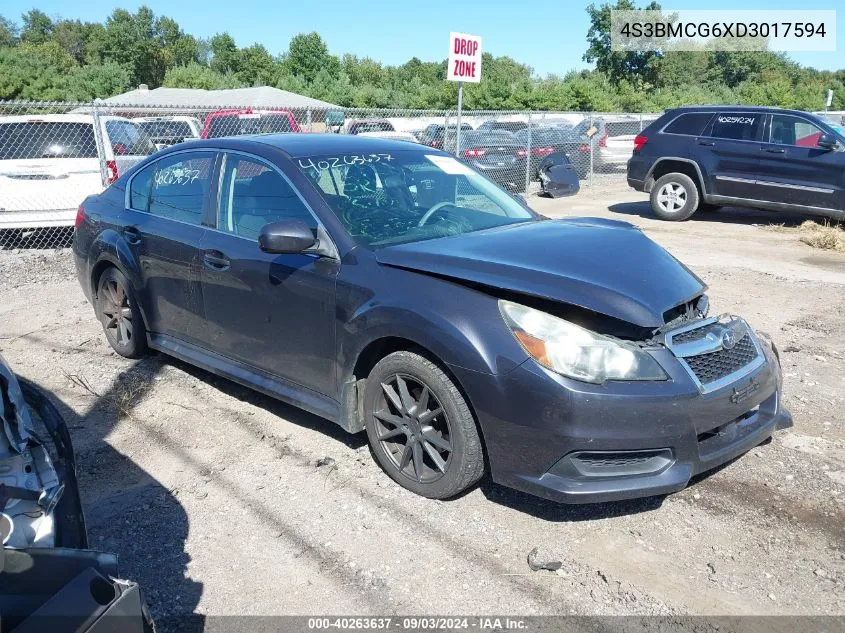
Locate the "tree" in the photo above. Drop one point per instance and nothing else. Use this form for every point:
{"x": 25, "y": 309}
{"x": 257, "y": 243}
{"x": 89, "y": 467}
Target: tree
{"x": 8, "y": 33}
{"x": 195, "y": 75}
{"x": 95, "y": 81}
{"x": 37, "y": 27}
{"x": 130, "y": 39}
{"x": 307, "y": 54}
{"x": 256, "y": 66}
{"x": 637, "y": 67}
{"x": 225, "y": 56}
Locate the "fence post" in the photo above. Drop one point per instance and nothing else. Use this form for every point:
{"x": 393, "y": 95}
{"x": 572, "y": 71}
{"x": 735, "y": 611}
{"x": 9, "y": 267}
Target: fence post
{"x": 528, "y": 155}
{"x": 592, "y": 148}
{"x": 101, "y": 147}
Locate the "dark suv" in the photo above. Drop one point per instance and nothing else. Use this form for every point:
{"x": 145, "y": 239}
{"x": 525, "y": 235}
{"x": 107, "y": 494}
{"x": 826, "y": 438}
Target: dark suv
{"x": 702, "y": 157}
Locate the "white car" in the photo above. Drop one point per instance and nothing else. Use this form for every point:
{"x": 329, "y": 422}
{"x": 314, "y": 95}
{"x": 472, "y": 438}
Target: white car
{"x": 396, "y": 136}
{"x": 165, "y": 131}
{"x": 50, "y": 163}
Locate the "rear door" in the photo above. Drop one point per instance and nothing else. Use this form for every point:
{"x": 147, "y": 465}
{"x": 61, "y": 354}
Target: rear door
{"x": 729, "y": 153}
{"x": 795, "y": 170}
{"x": 47, "y": 168}
{"x": 164, "y": 224}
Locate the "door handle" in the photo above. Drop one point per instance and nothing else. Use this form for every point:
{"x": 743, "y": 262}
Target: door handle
{"x": 774, "y": 150}
{"x": 132, "y": 235}
{"x": 707, "y": 143}
{"x": 216, "y": 262}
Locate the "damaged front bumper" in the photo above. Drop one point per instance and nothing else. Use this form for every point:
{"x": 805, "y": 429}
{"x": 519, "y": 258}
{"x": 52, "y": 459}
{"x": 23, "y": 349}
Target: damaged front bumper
{"x": 575, "y": 442}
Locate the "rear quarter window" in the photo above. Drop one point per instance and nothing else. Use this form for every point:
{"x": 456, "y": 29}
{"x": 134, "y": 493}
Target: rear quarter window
{"x": 690, "y": 124}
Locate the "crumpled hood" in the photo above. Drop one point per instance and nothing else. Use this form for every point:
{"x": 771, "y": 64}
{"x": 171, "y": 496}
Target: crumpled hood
{"x": 606, "y": 266}
{"x": 14, "y": 414}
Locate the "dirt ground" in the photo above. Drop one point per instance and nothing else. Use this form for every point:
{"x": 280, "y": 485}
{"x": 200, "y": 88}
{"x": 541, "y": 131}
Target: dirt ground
{"x": 212, "y": 498}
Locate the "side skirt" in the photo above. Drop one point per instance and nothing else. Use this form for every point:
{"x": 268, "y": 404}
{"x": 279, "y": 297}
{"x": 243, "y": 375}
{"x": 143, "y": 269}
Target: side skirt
{"x": 273, "y": 386}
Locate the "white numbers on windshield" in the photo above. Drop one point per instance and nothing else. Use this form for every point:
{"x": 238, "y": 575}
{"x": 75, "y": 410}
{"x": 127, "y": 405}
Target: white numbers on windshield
{"x": 331, "y": 162}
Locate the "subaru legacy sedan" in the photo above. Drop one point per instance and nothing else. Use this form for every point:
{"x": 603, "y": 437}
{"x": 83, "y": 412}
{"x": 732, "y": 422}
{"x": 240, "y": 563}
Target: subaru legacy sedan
{"x": 393, "y": 289}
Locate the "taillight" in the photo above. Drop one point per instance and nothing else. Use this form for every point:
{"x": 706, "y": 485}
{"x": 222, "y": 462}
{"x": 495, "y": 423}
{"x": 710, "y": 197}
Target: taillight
{"x": 584, "y": 148}
{"x": 474, "y": 153}
{"x": 603, "y": 139}
{"x": 639, "y": 141}
{"x": 80, "y": 216}
{"x": 111, "y": 171}
{"x": 542, "y": 151}
{"x": 521, "y": 153}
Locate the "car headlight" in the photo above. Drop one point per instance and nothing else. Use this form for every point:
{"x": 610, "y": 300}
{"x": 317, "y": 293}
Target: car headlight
{"x": 575, "y": 352}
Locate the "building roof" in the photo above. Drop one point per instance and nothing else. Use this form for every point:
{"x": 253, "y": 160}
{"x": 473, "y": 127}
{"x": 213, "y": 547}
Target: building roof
{"x": 260, "y": 97}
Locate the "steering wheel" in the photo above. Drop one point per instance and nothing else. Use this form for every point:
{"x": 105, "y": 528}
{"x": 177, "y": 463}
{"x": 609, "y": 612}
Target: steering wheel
{"x": 432, "y": 211}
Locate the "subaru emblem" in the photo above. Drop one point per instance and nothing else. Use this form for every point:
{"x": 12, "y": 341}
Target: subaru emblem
{"x": 728, "y": 339}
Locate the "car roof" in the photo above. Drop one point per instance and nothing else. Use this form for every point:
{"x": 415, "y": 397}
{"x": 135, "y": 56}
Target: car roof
{"x": 48, "y": 118}
{"x": 744, "y": 108}
{"x": 304, "y": 144}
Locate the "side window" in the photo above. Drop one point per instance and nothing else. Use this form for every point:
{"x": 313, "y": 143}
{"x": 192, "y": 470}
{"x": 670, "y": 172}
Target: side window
{"x": 254, "y": 194}
{"x": 691, "y": 123}
{"x": 139, "y": 192}
{"x": 792, "y": 130}
{"x": 180, "y": 184}
{"x": 737, "y": 126}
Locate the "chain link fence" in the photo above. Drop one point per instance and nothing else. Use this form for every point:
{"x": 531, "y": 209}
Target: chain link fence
{"x": 53, "y": 155}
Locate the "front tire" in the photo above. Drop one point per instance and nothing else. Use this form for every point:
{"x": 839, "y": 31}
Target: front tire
{"x": 420, "y": 428}
{"x": 674, "y": 197}
{"x": 119, "y": 314}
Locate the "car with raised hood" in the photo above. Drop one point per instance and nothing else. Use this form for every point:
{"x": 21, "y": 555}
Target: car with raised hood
{"x": 50, "y": 163}
{"x": 698, "y": 158}
{"x": 394, "y": 289}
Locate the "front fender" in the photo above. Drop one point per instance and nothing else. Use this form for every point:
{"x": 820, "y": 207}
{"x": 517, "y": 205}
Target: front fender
{"x": 461, "y": 327}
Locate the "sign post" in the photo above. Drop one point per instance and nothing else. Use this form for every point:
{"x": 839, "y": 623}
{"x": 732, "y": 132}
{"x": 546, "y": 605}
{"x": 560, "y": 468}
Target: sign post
{"x": 464, "y": 65}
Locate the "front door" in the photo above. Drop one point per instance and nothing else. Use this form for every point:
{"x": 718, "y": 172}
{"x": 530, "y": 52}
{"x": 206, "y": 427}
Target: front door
{"x": 273, "y": 312}
{"x": 164, "y": 227}
{"x": 729, "y": 153}
{"x": 795, "y": 170}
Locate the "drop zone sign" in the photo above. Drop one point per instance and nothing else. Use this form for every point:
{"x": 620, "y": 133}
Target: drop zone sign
{"x": 464, "y": 58}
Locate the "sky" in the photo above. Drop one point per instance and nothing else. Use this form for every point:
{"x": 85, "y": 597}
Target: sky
{"x": 549, "y": 36}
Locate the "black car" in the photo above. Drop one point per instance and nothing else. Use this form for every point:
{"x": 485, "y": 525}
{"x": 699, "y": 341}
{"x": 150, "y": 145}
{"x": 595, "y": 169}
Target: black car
{"x": 703, "y": 157}
{"x": 545, "y": 141}
{"x": 498, "y": 154}
{"x": 392, "y": 288}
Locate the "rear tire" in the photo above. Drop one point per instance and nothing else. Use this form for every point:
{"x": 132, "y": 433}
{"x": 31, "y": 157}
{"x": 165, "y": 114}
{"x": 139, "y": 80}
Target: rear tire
{"x": 674, "y": 197}
{"x": 119, "y": 314}
{"x": 436, "y": 455}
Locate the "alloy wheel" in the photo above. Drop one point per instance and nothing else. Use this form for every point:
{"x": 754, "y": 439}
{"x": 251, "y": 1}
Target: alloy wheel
{"x": 117, "y": 313}
{"x": 672, "y": 197}
{"x": 413, "y": 429}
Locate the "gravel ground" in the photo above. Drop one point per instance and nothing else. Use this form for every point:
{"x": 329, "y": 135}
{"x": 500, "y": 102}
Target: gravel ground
{"x": 214, "y": 500}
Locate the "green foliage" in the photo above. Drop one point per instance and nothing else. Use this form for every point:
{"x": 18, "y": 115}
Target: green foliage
{"x": 64, "y": 59}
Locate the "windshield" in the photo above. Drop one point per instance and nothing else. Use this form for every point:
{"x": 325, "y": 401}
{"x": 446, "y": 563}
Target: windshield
{"x": 30, "y": 139}
{"x": 240, "y": 124}
{"x": 408, "y": 196}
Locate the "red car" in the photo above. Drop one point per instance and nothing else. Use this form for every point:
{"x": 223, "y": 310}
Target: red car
{"x": 248, "y": 121}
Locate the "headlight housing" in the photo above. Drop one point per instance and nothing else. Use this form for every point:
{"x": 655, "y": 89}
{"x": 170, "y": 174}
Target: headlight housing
{"x": 575, "y": 352}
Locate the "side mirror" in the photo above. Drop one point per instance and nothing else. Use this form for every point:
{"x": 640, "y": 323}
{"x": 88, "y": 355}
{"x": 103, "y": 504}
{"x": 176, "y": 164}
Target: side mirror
{"x": 827, "y": 141}
{"x": 286, "y": 236}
